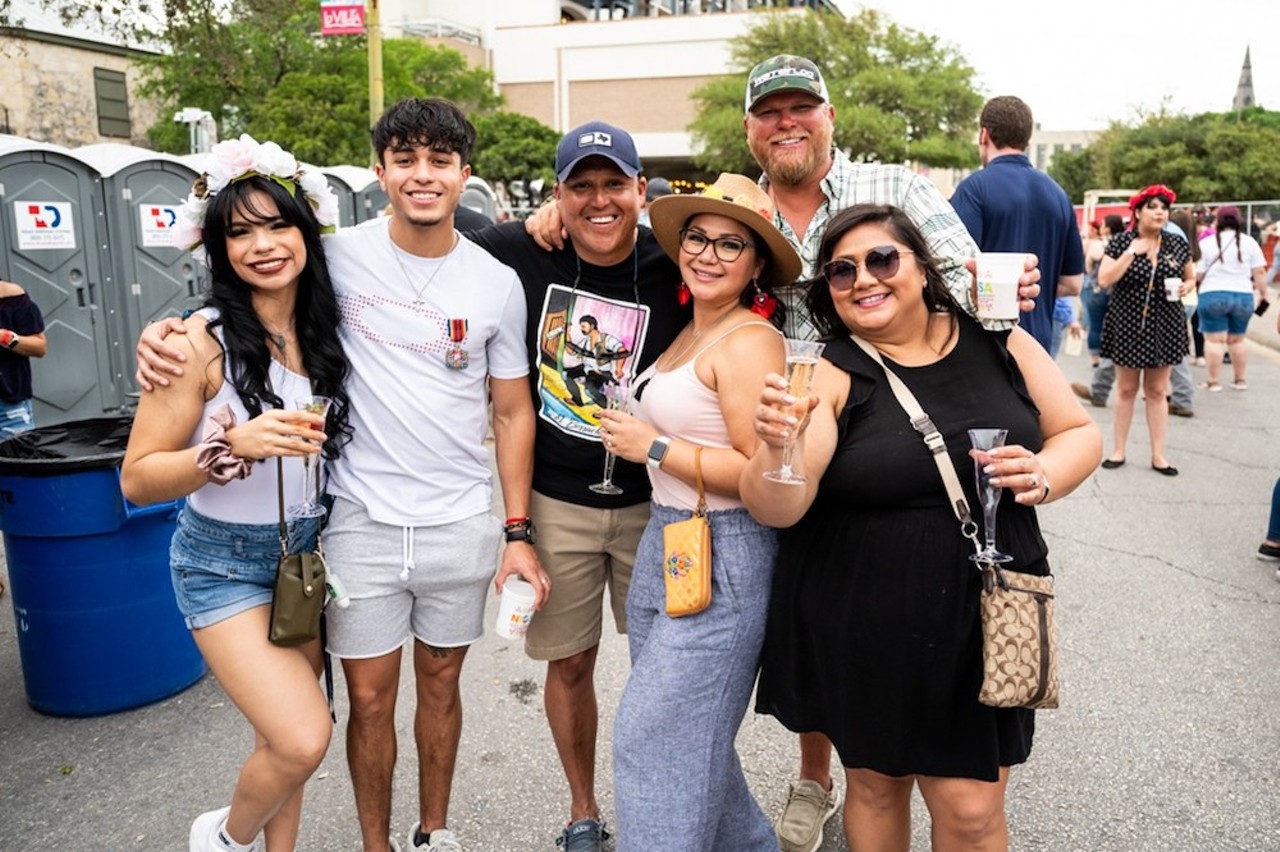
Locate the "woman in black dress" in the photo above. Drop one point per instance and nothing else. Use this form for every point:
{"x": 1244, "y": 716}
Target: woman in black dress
{"x": 873, "y": 637}
{"x": 1143, "y": 331}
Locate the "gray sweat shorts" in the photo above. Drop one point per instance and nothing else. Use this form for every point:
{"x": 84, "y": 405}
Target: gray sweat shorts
{"x": 427, "y": 582}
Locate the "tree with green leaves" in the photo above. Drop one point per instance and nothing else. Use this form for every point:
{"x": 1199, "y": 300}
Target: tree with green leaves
{"x": 1073, "y": 171}
{"x": 511, "y": 146}
{"x": 898, "y": 94}
{"x": 322, "y": 113}
{"x": 1203, "y": 157}
{"x": 261, "y": 67}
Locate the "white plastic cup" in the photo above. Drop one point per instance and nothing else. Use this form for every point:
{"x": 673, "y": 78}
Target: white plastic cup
{"x": 1171, "y": 288}
{"x": 998, "y": 273}
{"x": 515, "y": 609}
{"x": 1074, "y": 344}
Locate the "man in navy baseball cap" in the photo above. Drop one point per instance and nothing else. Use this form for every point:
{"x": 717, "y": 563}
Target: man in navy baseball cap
{"x": 597, "y": 139}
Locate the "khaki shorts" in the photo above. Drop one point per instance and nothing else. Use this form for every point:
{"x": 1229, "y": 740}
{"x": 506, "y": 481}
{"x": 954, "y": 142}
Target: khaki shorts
{"x": 584, "y": 550}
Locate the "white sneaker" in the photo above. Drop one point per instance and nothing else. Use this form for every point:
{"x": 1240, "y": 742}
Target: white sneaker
{"x": 204, "y": 827}
{"x": 204, "y": 832}
{"x": 440, "y": 840}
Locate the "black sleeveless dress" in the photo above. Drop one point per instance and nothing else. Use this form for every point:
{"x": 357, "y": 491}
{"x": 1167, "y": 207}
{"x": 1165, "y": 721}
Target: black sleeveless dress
{"x": 873, "y": 635}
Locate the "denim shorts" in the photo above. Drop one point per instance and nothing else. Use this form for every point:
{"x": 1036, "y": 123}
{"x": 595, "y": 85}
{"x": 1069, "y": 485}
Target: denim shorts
{"x": 1221, "y": 311}
{"x": 221, "y": 569}
{"x": 15, "y": 418}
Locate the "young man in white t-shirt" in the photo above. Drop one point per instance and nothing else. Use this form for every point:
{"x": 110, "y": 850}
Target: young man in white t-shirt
{"x": 434, "y": 329}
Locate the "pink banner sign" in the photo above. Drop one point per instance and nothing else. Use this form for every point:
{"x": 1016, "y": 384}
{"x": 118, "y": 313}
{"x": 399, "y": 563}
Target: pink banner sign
{"x": 341, "y": 18}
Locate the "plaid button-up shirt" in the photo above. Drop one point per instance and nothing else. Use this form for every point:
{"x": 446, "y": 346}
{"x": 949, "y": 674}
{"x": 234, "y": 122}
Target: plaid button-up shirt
{"x": 848, "y": 183}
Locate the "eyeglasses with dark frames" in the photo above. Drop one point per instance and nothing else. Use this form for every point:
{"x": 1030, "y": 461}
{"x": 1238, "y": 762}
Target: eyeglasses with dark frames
{"x": 727, "y": 249}
{"x": 881, "y": 262}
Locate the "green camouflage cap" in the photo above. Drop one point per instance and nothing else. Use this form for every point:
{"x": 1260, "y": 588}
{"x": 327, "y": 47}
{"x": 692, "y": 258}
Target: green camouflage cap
{"x": 784, "y": 73}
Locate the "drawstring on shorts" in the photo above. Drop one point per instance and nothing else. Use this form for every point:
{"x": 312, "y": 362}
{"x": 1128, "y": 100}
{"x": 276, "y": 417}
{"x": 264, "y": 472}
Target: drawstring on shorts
{"x": 407, "y": 548}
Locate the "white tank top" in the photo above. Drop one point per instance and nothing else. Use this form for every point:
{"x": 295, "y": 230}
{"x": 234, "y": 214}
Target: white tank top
{"x": 680, "y": 406}
{"x": 251, "y": 500}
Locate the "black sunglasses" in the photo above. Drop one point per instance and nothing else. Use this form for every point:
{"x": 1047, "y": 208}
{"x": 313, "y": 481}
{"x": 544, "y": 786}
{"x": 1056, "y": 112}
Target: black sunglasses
{"x": 881, "y": 262}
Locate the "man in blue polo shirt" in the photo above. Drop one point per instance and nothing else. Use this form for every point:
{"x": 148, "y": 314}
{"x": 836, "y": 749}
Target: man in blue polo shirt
{"x": 1011, "y": 206}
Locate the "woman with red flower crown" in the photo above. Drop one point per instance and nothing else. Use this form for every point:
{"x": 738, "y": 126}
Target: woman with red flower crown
{"x": 1144, "y": 331}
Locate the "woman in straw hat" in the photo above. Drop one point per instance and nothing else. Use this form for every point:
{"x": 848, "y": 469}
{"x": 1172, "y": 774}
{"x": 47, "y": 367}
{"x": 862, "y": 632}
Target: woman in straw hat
{"x": 678, "y": 779}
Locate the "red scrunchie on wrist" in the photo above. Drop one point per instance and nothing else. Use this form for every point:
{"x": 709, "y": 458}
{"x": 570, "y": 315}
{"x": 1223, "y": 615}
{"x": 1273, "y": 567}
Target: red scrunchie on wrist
{"x": 215, "y": 457}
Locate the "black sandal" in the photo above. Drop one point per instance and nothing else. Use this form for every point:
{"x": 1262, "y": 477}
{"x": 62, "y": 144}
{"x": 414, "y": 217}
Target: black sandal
{"x": 1167, "y": 470}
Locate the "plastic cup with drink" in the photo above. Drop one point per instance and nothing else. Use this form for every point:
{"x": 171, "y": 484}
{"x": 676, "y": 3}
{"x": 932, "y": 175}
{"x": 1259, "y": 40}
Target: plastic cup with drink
{"x": 515, "y": 609}
{"x": 998, "y": 274}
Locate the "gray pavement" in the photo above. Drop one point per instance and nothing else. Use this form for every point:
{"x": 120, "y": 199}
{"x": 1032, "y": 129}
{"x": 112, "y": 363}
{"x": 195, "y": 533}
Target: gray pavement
{"x": 1168, "y": 737}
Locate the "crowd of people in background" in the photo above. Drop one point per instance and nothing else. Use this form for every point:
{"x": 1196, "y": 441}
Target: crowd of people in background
{"x": 685, "y": 304}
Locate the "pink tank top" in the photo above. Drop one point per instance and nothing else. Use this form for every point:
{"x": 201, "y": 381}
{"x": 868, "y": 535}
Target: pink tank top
{"x": 680, "y": 406}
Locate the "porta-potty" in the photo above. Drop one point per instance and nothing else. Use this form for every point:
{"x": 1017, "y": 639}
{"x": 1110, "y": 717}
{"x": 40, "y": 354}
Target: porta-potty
{"x": 360, "y": 196}
{"x": 149, "y": 277}
{"x": 98, "y": 628}
{"x": 53, "y": 242}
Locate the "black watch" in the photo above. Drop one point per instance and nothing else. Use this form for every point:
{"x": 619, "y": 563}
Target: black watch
{"x": 521, "y": 530}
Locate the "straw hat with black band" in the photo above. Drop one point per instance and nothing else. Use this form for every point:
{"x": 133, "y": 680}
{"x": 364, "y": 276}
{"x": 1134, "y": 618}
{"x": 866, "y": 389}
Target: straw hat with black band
{"x": 736, "y": 197}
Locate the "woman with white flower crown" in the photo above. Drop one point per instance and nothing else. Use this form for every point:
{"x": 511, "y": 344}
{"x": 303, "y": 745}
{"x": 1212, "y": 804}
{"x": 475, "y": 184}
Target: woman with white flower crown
{"x": 265, "y": 337}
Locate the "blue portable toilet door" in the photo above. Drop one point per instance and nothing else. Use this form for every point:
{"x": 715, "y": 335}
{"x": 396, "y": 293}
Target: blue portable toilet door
{"x": 54, "y": 245}
{"x": 160, "y": 280}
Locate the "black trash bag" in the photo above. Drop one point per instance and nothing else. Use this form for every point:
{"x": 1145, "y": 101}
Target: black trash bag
{"x": 80, "y": 445}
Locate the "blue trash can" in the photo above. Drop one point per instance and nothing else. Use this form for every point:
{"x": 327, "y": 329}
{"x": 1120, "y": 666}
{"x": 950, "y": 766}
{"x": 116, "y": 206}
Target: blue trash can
{"x": 98, "y": 628}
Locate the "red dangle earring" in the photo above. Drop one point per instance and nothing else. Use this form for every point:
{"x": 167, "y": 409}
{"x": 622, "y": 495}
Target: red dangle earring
{"x": 762, "y": 303}
{"x": 682, "y": 294}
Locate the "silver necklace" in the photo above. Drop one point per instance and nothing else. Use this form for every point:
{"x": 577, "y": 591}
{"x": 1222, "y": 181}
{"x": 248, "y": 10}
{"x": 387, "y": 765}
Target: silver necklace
{"x": 418, "y": 291}
{"x": 279, "y": 339}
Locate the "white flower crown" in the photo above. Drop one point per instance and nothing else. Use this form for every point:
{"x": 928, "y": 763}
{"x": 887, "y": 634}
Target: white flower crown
{"x": 234, "y": 160}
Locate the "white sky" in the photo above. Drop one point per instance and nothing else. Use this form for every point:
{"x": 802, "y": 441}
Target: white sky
{"x": 1081, "y": 65}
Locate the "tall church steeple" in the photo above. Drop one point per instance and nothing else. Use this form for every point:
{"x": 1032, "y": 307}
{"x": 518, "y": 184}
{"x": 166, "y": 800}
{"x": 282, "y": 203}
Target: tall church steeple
{"x": 1244, "y": 89}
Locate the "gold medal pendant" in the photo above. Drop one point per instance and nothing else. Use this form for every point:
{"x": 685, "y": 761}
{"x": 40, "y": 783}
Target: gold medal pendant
{"x": 457, "y": 358}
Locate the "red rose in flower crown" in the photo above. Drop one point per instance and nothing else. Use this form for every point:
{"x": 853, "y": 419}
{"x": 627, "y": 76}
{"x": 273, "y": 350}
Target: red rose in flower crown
{"x": 1156, "y": 190}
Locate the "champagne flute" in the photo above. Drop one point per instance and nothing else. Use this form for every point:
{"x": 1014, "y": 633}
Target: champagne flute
{"x": 802, "y": 360}
{"x": 617, "y": 395}
{"x": 310, "y": 507}
{"x": 985, "y": 440}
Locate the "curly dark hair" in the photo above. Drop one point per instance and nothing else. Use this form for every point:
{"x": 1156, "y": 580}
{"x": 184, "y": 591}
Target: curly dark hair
{"x": 433, "y": 123}
{"x": 937, "y": 296}
{"x": 244, "y": 338}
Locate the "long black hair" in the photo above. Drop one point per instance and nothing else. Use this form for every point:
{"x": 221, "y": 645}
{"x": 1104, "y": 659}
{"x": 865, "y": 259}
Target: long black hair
{"x": 244, "y": 337}
{"x": 937, "y": 296}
